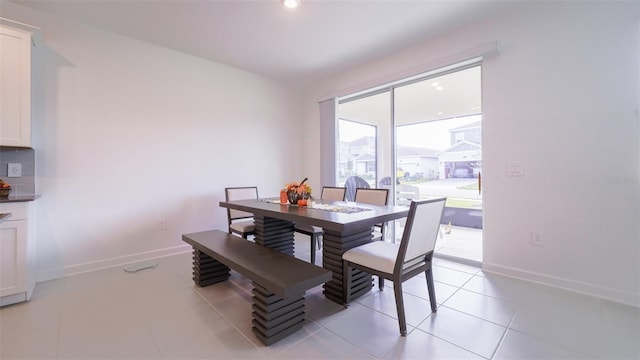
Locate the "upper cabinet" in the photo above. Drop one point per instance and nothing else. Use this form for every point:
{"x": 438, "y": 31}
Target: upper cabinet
{"x": 15, "y": 84}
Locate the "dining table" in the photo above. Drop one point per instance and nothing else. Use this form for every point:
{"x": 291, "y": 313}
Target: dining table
{"x": 345, "y": 224}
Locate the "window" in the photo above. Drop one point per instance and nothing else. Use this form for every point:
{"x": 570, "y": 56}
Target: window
{"x": 356, "y": 151}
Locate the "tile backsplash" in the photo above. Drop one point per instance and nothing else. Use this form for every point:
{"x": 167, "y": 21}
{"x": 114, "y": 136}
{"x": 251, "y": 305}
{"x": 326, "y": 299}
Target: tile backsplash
{"x": 24, "y": 185}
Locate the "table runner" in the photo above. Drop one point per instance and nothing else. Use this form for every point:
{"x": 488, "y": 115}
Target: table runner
{"x": 326, "y": 207}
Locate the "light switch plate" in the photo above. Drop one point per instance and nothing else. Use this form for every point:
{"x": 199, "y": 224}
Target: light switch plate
{"x": 14, "y": 170}
{"x": 515, "y": 169}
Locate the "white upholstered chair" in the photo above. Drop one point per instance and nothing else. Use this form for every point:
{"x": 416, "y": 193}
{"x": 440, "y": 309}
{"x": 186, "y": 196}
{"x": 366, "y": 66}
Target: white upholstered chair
{"x": 374, "y": 197}
{"x": 241, "y": 222}
{"x": 400, "y": 262}
{"x": 328, "y": 193}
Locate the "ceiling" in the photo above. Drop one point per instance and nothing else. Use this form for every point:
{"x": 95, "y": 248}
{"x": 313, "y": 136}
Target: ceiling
{"x": 316, "y": 40}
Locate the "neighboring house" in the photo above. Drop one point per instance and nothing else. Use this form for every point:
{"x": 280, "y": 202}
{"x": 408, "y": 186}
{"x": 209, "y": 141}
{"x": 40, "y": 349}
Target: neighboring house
{"x": 418, "y": 161}
{"x": 357, "y": 157}
{"x": 470, "y": 132}
{"x": 352, "y": 151}
{"x": 464, "y": 157}
{"x": 364, "y": 164}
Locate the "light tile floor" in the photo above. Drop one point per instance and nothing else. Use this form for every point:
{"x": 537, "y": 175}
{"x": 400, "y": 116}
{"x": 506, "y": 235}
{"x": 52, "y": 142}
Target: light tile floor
{"x": 159, "y": 314}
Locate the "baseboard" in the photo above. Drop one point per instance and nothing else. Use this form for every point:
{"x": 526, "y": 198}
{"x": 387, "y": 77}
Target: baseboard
{"x": 623, "y": 297}
{"x": 457, "y": 259}
{"x": 52, "y": 274}
{"x": 13, "y": 299}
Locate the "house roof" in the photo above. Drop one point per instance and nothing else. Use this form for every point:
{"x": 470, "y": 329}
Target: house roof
{"x": 462, "y": 146}
{"x": 408, "y": 151}
{"x": 364, "y": 157}
{"x": 363, "y": 141}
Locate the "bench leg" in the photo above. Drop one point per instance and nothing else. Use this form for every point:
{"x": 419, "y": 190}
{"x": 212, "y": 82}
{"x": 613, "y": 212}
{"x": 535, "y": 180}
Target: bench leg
{"x": 275, "y": 318}
{"x": 206, "y": 270}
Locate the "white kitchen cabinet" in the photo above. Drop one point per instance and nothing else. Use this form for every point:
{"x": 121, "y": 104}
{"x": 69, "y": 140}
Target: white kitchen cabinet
{"x": 15, "y": 84}
{"x": 17, "y": 280}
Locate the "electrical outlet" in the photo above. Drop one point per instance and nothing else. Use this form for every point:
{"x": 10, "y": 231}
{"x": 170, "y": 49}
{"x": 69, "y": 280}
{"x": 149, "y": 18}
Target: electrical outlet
{"x": 14, "y": 170}
{"x": 162, "y": 225}
{"x": 537, "y": 238}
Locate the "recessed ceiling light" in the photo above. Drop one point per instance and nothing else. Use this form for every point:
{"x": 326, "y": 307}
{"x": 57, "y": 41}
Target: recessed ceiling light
{"x": 291, "y": 4}
{"x": 439, "y": 88}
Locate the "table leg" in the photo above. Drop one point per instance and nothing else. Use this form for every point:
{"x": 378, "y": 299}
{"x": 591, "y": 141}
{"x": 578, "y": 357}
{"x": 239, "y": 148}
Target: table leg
{"x": 334, "y": 245}
{"x": 274, "y": 233}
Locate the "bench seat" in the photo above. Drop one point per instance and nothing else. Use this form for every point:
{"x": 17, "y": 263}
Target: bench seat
{"x": 280, "y": 280}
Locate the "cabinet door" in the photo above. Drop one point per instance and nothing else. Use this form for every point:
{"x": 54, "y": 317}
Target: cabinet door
{"x": 15, "y": 88}
{"x": 13, "y": 257}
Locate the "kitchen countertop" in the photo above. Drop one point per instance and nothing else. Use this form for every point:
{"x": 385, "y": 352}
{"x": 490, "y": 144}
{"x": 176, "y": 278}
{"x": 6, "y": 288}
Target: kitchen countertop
{"x": 4, "y": 217}
{"x": 19, "y": 198}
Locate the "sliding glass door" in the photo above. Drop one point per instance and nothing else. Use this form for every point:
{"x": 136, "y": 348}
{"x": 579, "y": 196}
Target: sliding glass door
{"x": 421, "y": 138}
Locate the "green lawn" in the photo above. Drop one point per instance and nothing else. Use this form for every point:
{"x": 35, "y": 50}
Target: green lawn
{"x": 464, "y": 203}
{"x": 473, "y": 186}
{"x": 455, "y": 202}
{"x": 460, "y": 202}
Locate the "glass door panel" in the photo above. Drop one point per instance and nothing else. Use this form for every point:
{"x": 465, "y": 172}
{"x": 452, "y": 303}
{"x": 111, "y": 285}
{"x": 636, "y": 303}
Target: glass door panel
{"x": 356, "y": 151}
{"x": 439, "y": 153}
{"x": 364, "y": 140}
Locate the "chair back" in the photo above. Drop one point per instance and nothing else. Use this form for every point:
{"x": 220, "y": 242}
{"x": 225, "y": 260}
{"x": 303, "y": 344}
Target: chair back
{"x": 406, "y": 193}
{"x": 240, "y": 193}
{"x": 385, "y": 182}
{"x": 420, "y": 232}
{"x": 372, "y": 196}
{"x": 331, "y": 193}
{"x": 352, "y": 183}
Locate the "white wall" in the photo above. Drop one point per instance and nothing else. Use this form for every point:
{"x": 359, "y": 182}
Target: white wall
{"x": 562, "y": 101}
{"x": 128, "y": 134}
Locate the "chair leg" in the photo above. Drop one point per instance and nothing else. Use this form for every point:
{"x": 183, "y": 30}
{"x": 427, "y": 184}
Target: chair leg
{"x": 313, "y": 248}
{"x": 380, "y": 283}
{"x": 397, "y": 289}
{"x": 432, "y": 291}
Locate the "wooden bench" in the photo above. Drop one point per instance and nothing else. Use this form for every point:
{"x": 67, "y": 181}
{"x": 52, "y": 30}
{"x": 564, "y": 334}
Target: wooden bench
{"x": 279, "y": 280}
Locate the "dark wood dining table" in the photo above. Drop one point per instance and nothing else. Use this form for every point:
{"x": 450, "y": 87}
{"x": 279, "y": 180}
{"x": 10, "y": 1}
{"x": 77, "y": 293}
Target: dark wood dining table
{"x": 345, "y": 224}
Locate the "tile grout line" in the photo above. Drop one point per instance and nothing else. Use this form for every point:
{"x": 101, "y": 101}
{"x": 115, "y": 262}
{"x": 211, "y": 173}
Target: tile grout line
{"x": 445, "y": 340}
{"x": 443, "y": 305}
{"x": 547, "y": 341}
{"x": 144, "y": 323}
{"x": 246, "y": 337}
{"x": 227, "y": 320}
{"x": 504, "y": 336}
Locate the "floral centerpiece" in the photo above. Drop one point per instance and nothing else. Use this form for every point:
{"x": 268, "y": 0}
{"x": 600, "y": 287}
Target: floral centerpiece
{"x": 298, "y": 192}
